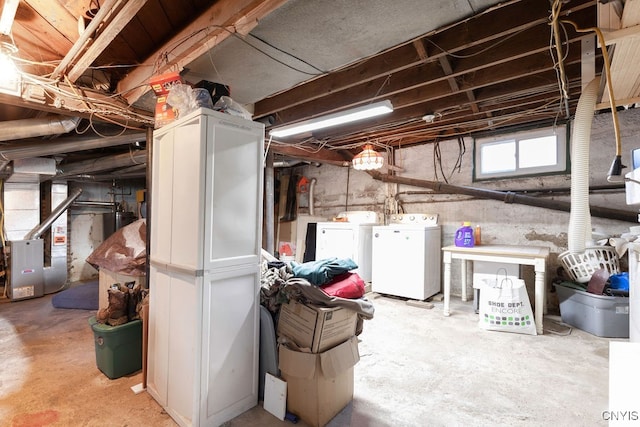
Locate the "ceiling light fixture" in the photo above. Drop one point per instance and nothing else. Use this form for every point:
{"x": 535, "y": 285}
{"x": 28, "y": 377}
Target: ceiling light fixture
{"x": 368, "y": 159}
{"x": 335, "y": 119}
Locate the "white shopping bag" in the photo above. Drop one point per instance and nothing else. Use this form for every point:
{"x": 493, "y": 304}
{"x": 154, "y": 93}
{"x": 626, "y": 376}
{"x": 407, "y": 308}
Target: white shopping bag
{"x": 504, "y": 306}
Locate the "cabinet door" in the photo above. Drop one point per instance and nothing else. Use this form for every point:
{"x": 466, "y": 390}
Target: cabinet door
{"x": 161, "y": 195}
{"x": 158, "y": 341}
{"x": 184, "y": 326}
{"x": 233, "y": 225}
{"x": 187, "y": 227}
{"x": 230, "y": 331}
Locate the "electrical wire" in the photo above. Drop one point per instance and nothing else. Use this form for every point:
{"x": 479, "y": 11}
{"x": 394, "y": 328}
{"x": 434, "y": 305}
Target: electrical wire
{"x": 480, "y": 52}
{"x": 287, "y": 53}
{"x": 607, "y": 69}
{"x": 555, "y": 14}
{"x": 165, "y": 54}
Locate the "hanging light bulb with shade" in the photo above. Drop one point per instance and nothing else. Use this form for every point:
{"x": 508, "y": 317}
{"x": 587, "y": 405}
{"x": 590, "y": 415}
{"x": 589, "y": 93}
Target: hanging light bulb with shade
{"x": 368, "y": 159}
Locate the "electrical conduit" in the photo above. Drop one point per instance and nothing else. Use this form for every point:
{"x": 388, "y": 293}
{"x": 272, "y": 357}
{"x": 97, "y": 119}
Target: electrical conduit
{"x": 311, "y": 192}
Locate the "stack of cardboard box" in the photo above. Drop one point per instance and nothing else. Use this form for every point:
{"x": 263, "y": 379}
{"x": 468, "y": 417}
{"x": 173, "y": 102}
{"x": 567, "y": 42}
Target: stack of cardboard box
{"x": 318, "y": 362}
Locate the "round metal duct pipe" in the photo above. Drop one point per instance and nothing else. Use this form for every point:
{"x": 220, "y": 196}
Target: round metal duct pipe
{"x": 28, "y": 128}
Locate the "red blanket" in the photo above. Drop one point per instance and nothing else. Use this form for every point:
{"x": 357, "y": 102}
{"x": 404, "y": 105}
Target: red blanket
{"x": 347, "y": 285}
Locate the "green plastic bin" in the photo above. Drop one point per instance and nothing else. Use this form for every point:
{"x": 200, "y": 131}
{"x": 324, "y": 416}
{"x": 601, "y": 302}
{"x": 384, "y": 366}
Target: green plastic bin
{"x": 118, "y": 348}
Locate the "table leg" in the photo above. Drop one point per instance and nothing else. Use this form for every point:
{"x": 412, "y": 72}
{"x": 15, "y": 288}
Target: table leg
{"x": 540, "y": 299}
{"x": 447, "y": 281}
{"x": 465, "y": 264}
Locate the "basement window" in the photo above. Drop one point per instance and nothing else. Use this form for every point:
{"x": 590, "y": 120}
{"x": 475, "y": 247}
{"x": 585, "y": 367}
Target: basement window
{"x": 525, "y": 153}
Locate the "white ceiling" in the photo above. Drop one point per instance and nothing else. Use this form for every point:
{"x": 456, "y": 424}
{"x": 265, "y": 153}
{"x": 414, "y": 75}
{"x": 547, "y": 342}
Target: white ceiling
{"x": 327, "y": 34}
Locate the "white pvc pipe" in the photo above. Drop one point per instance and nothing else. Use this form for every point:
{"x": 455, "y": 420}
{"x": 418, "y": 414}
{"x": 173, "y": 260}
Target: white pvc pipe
{"x": 580, "y": 217}
{"x": 311, "y": 193}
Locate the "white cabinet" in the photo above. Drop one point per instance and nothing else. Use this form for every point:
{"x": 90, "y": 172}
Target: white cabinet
{"x": 206, "y": 218}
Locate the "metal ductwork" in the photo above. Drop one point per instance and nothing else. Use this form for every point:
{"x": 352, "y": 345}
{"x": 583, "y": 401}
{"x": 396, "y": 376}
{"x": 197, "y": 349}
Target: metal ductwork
{"x": 38, "y": 230}
{"x": 28, "y": 128}
{"x": 103, "y": 164}
{"x": 38, "y": 148}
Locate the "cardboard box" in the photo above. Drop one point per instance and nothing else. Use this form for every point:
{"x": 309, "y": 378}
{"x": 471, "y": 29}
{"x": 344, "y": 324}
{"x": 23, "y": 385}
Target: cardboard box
{"x": 165, "y": 113}
{"x": 106, "y": 278}
{"x": 161, "y": 86}
{"x": 316, "y": 328}
{"x": 319, "y": 385}
{"x": 163, "y": 83}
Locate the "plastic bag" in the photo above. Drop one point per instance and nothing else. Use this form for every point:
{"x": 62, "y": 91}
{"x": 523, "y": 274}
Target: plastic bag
{"x": 185, "y": 99}
{"x": 229, "y": 106}
{"x": 125, "y": 251}
{"x": 505, "y": 307}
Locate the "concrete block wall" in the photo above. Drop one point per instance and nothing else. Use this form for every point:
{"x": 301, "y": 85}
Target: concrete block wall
{"x": 339, "y": 188}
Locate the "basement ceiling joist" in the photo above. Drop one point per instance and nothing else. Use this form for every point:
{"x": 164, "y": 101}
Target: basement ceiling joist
{"x": 472, "y": 64}
{"x": 477, "y": 32}
{"x": 463, "y": 75}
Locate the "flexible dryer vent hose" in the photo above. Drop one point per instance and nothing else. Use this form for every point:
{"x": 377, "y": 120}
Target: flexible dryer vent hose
{"x": 580, "y": 216}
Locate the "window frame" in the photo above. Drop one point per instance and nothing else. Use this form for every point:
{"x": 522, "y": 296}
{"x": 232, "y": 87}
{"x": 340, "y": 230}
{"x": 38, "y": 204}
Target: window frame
{"x": 562, "y": 165}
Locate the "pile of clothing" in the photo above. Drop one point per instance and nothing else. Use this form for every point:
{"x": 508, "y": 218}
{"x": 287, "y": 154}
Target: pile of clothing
{"x": 328, "y": 282}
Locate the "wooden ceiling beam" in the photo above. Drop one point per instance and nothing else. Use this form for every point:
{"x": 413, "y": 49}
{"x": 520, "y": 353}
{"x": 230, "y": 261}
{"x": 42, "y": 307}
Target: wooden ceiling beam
{"x": 304, "y": 153}
{"x": 106, "y": 12}
{"x": 44, "y": 14}
{"x": 509, "y": 19}
{"x": 535, "y": 41}
{"x": 205, "y": 32}
{"x": 423, "y": 83}
{"x": 64, "y": 103}
{"x": 106, "y": 35}
{"x": 543, "y": 82}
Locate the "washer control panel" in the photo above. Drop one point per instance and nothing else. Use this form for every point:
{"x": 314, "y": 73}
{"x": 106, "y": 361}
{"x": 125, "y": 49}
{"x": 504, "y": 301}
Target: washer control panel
{"x": 414, "y": 218}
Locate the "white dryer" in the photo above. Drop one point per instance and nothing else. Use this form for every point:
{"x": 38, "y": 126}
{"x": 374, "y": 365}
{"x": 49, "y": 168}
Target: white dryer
{"x": 349, "y": 238}
{"x": 406, "y": 256}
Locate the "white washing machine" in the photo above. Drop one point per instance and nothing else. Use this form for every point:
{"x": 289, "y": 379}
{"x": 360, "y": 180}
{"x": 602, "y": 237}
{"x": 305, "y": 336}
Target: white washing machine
{"x": 406, "y": 256}
{"x": 350, "y": 238}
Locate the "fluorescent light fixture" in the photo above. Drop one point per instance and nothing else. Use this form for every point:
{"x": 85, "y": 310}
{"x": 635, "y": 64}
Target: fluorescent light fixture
{"x": 335, "y": 119}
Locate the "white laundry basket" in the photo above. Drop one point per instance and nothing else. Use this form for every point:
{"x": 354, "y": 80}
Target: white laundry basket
{"x": 582, "y": 265}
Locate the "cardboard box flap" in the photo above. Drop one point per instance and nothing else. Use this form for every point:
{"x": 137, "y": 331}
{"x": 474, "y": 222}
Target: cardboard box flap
{"x": 340, "y": 358}
{"x": 296, "y": 363}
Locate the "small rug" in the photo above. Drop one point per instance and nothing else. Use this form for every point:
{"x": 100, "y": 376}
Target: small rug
{"x": 83, "y": 297}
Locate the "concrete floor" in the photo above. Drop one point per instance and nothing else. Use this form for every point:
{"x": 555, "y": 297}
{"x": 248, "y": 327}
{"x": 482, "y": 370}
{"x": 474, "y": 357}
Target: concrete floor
{"x": 417, "y": 368}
